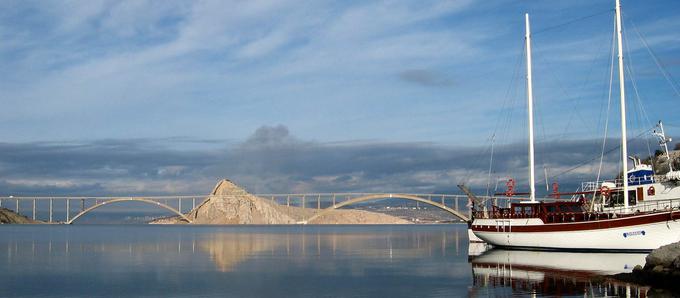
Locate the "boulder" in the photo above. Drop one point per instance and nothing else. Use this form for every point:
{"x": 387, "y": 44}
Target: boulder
{"x": 663, "y": 256}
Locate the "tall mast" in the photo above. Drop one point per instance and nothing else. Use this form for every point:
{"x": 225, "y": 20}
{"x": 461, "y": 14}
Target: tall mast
{"x": 622, "y": 92}
{"x": 530, "y": 100}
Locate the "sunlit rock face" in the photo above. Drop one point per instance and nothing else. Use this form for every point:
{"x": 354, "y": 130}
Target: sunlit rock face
{"x": 231, "y": 204}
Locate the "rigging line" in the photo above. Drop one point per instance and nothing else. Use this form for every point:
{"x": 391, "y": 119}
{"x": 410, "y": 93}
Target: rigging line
{"x": 649, "y": 152}
{"x": 577, "y": 102}
{"x": 561, "y": 87}
{"x": 508, "y": 98}
{"x": 488, "y": 181}
{"x": 505, "y": 117}
{"x": 667, "y": 75}
{"x": 592, "y": 159}
{"x": 612, "y": 50}
{"x": 511, "y": 97}
{"x": 631, "y": 76}
{"x": 639, "y": 105}
{"x": 606, "y": 122}
{"x": 571, "y": 22}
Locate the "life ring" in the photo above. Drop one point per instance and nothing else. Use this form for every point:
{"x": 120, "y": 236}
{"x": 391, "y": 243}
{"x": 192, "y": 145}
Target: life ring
{"x": 651, "y": 191}
{"x": 605, "y": 191}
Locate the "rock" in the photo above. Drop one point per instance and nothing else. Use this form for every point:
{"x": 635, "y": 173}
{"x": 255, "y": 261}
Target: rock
{"x": 10, "y": 217}
{"x": 661, "y": 270}
{"x": 658, "y": 269}
{"x": 663, "y": 256}
{"x": 231, "y": 204}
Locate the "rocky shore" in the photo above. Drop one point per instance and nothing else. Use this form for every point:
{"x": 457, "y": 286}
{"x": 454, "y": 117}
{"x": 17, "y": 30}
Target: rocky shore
{"x": 10, "y": 217}
{"x": 661, "y": 269}
{"x": 231, "y": 204}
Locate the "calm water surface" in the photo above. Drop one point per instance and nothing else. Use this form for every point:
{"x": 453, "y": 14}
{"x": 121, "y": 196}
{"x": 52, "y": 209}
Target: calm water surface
{"x": 289, "y": 261}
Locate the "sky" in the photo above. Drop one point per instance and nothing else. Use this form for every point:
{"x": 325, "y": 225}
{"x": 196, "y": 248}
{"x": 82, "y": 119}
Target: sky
{"x": 167, "y": 97}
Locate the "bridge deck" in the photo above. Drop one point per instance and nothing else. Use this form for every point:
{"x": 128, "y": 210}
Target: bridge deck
{"x": 73, "y": 207}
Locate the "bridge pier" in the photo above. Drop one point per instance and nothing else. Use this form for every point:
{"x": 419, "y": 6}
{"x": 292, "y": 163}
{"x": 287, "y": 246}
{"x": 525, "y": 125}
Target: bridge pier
{"x": 51, "y": 208}
{"x": 17, "y": 206}
{"x": 68, "y": 209}
{"x": 179, "y": 204}
{"x": 33, "y": 209}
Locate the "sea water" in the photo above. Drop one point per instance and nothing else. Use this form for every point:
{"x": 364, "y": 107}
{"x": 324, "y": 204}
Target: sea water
{"x": 282, "y": 261}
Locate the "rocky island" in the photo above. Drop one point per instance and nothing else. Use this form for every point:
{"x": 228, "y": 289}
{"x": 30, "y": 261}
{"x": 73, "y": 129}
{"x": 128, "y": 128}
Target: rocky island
{"x": 231, "y": 204}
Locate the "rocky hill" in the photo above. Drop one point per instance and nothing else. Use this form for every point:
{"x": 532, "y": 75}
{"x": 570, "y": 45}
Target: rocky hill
{"x": 231, "y": 204}
{"x": 10, "y": 217}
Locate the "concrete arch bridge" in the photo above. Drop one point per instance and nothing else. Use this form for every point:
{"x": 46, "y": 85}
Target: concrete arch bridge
{"x": 428, "y": 199}
{"x": 67, "y": 210}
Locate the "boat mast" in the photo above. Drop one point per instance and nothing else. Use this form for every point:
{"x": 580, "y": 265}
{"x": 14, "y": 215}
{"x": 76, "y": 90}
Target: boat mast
{"x": 530, "y": 99}
{"x": 622, "y": 88}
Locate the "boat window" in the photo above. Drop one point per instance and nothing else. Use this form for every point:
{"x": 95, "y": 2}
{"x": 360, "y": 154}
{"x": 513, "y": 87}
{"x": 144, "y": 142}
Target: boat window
{"x": 518, "y": 210}
{"x": 632, "y": 197}
{"x": 617, "y": 198}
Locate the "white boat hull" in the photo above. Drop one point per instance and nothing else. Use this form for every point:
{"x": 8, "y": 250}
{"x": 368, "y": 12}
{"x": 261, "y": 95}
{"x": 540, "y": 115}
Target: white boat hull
{"x": 637, "y": 237}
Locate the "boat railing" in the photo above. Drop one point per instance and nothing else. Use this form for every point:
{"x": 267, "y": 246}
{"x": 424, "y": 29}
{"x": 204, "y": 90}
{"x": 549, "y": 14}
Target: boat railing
{"x": 646, "y": 206}
{"x": 652, "y": 206}
{"x": 596, "y": 185}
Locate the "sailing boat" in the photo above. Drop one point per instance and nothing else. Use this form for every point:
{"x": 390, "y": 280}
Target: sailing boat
{"x": 640, "y": 212}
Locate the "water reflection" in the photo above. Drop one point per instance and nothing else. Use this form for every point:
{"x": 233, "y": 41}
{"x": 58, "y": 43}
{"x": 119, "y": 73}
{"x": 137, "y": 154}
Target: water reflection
{"x": 546, "y": 273}
{"x": 309, "y": 261}
{"x": 116, "y": 261}
{"x": 227, "y": 250}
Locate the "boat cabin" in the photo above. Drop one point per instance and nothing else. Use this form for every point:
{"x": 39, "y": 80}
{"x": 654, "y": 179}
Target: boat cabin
{"x": 549, "y": 212}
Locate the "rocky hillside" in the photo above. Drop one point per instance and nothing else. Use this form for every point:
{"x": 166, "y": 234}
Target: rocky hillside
{"x": 231, "y": 204}
{"x": 10, "y": 217}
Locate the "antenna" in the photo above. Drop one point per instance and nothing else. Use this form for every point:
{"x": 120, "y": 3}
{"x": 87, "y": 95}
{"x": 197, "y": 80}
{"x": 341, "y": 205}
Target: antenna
{"x": 663, "y": 141}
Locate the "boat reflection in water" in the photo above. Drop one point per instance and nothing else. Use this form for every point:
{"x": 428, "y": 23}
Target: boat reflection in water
{"x": 548, "y": 273}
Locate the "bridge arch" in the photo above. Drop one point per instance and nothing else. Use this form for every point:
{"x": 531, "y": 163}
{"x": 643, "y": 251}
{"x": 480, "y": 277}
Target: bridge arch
{"x": 388, "y": 196}
{"x": 107, "y": 202}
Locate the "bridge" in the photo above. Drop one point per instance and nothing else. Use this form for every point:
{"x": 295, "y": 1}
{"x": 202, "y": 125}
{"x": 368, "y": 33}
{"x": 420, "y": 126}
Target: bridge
{"x": 71, "y": 209}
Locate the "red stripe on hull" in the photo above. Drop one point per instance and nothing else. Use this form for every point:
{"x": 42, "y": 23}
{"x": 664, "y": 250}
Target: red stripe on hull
{"x": 633, "y": 220}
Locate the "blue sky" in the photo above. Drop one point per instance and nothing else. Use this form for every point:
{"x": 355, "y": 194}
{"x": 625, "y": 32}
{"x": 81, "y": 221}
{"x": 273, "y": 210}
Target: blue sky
{"x": 204, "y": 76}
